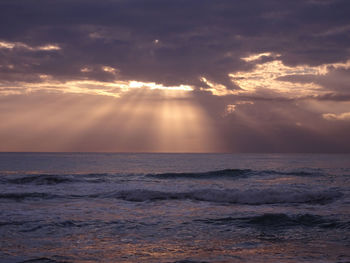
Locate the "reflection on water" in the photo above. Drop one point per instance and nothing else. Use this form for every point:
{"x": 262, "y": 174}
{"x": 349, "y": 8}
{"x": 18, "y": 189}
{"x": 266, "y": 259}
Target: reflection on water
{"x": 96, "y": 246}
{"x": 163, "y": 232}
{"x": 269, "y": 212}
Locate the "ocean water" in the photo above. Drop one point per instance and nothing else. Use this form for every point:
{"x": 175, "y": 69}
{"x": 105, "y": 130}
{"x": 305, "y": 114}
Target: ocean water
{"x": 86, "y": 207}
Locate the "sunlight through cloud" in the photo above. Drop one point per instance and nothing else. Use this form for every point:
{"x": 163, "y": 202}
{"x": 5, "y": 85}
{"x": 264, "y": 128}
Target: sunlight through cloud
{"x": 269, "y": 75}
{"x": 257, "y": 56}
{"x": 12, "y": 45}
{"x": 216, "y": 88}
{"x": 342, "y": 117}
{"x": 92, "y": 87}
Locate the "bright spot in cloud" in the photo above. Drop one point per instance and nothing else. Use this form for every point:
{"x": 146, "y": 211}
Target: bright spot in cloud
{"x": 153, "y": 85}
{"x": 266, "y": 76}
{"x": 109, "y": 69}
{"x": 12, "y": 45}
{"x": 341, "y": 117}
{"x": 85, "y": 69}
{"x": 216, "y": 89}
{"x": 47, "y": 47}
{"x": 92, "y": 87}
{"x": 243, "y": 102}
{"x": 230, "y": 108}
{"x": 7, "y": 45}
{"x": 43, "y": 76}
{"x": 257, "y": 56}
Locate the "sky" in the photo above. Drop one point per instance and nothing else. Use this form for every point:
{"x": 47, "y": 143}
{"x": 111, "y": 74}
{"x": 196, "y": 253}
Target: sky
{"x": 175, "y": 76}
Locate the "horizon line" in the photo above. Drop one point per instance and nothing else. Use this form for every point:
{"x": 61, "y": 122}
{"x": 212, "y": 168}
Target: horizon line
{"x": 121, "y": 152}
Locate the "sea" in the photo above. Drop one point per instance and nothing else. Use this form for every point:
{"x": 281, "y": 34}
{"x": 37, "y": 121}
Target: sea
{"x": 184, "y": 208}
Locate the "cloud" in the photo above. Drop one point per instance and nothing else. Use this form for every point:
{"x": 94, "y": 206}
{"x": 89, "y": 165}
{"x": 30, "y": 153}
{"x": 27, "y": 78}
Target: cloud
{"x": 262, "y": 72}
{"x": 112, "y": 89}
{"x": 20, "y": 45}
{"x": 195, "y": 38}
{"x": 340, "y": 117}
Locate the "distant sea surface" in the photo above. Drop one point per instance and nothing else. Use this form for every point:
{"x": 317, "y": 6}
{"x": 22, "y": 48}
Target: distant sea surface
{"x": 86, "y": 207}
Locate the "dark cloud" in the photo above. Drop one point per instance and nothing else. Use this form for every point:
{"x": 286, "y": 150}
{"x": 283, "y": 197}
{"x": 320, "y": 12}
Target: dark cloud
{"x": 178, "y": 42}
{"x": 196, "y": 38}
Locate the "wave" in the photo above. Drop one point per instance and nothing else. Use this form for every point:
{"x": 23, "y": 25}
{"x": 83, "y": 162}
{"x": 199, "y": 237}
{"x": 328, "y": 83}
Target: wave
{"x": 232, "y": 196}
{"x": 33, "y": 226}
{"x": 279, "y": 220}
{"x": 294, "y": 173}
{"x": 41, "y": 179}
{"x": 64, "y": 224}
{"x": 22, "y": 196}
{"x": 43, "y": 260}
{"x": 249, "y": 197}
{"x": 204, "y": 175}
{"x": 69, "y": 224}
{"x": 40, "y": 196}
{"x": 230, "y": 173}
{"x": 14, "y": 223}
{"x": 52, "y": 179}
